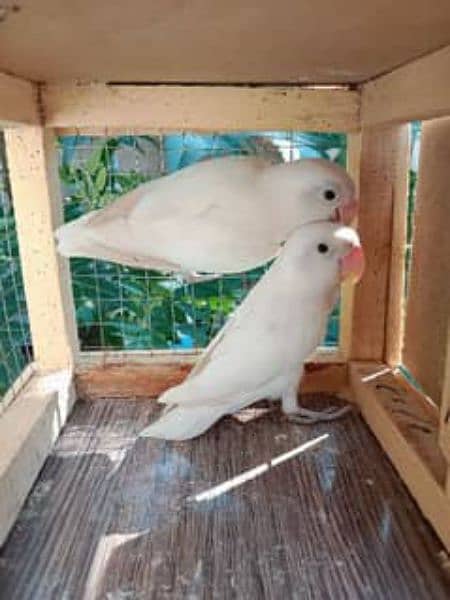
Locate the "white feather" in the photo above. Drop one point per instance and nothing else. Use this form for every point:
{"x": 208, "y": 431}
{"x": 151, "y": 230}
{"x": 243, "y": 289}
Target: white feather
{"x": 218, "y": 216}
{"x": 259, "y": 352}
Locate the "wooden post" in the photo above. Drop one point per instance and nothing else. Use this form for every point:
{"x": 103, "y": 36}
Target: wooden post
{"x": 444, "y": 423}
{"x": 33, "y": 170}
{"x": 381, "y": 188}
{"x": 348, "y": 289}
{"x": 396, "y": 284}
{"x": 428, "y": 305}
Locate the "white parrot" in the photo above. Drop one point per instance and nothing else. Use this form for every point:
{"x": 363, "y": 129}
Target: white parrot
{"x": 259, "y": 352}
{"x": 222, "y": 215}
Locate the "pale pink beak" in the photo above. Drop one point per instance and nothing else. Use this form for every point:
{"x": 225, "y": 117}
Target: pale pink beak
{"x": 352, "y": 264}
{"x": 347, "y": 212}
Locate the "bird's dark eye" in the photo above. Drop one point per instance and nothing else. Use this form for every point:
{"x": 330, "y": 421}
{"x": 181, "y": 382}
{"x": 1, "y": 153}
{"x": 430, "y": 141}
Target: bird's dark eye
{"x": 329, "y": 194}
{"x": 322, "y": 248}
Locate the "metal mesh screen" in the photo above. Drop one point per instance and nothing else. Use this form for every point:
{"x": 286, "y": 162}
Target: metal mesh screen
{"x": 123, "y": 308}
{"x": 15, "y": 346}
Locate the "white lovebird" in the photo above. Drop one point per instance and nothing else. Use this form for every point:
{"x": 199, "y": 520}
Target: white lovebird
{"x": 222, "y": 215}
{"x": 260, "y": 351}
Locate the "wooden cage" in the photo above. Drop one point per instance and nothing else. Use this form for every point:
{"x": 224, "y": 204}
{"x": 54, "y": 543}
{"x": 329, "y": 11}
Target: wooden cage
{"x": 369, "y": 88}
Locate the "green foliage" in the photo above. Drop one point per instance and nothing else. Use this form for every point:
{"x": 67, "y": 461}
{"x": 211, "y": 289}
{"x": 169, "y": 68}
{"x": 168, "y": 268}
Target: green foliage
{"x": 120, "y": 307}
{"x": 14, "y": 331}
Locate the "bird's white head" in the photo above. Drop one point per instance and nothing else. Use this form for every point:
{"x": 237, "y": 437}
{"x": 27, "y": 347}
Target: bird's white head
{"x": 328, "y": 252}
{"x": 319, "y": 190}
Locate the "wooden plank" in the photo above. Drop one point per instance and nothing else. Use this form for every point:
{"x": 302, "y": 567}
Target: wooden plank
{"x": 347, "y": 288}
{"x": 263, "y": 42}
{"x": 396, "y": 284}
{"x": 150, "y": 379}
{"x": 28, "y": 429}
{"x": 198, "y": 108}
{"x": 18, "y": 102}
{"x": 101, "y": 358}
{"x": 382, "y": 154}
{"x": 444, "y": 425}
{"x": 406, "y": 425}
{"x": 17, "y": 386}
{"x": 32, "y": 162}
{"x": 416, "y": 91}
{"x": 428, "y": 304}
{"x": 109, "y": 516}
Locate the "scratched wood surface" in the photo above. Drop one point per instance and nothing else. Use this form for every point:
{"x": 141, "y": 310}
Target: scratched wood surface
{"x": 109, "y": 516}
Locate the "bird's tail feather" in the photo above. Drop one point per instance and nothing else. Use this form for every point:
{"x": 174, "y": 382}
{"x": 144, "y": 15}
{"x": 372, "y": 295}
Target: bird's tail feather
{"x": 179, "y": 423}
{"x": 73, "y": 238}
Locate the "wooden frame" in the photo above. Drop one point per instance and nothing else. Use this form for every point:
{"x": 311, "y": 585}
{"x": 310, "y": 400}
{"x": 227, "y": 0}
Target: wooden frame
{"x": 18, "y": 102}
{"x": 28, "y": 430}
{"x": 418, "y": 90}
{"x": 407, "y": 425}
{"x": 33, "y": 172}
{"x": 125, "y": 108}
{"x": 382, "y": 185}
{"x": 444, "y": 422}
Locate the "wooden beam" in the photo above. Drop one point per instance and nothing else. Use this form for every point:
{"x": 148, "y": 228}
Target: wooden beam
{"x": 417, "y": 91}
{"x": 382, "y": 158}
{"x": 150, "y": 378}
{"x": 128, "y": 108}
{"x": 444, "y": 424}
{"x": 32, "y": 162}
{"x": 406, "y": 425}
{"x": 347, "y": 288}
{"x": 428, "y": 304}
{"x": 18, "y": 102}
{"x": 28, "y": 430}
{"x": 396, "y": 284}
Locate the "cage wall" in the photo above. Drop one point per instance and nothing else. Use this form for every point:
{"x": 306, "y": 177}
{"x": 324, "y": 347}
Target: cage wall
{"x": 15, "y": 342}
{"x": 119, "y": 307}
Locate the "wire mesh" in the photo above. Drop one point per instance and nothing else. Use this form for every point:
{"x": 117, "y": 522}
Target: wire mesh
{"x": 15, "y": 345}
{"x": 121, "y": 308}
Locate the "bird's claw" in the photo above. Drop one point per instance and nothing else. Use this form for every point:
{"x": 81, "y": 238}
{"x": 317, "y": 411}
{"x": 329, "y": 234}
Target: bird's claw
{"x": 193, "y": 277}
{"x": 305, "y": 416}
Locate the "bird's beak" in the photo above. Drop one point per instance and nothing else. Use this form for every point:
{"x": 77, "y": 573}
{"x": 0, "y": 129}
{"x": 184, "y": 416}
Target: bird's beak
{"x": 346, "y": 212}
{"x": 352, "y": 264}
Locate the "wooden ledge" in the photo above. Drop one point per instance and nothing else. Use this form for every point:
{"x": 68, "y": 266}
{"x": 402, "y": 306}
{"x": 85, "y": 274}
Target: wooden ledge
{"x": 406, "y": 424}
{"x": 28, "y": 429}
{"x": 152, "y": 375}
{"x": 95, "y": 108}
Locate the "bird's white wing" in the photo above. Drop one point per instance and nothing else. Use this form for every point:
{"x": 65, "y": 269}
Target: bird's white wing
{"x": 178, "y": 220}
{"x": 241, "y": 358}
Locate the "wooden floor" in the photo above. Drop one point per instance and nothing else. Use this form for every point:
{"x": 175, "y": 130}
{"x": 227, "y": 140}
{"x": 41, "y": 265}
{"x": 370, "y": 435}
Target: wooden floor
{"x": 115, "y": 518}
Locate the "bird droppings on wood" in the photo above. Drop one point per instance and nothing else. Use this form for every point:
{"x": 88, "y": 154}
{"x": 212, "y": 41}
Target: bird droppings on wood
{"x": 313, "y": 527}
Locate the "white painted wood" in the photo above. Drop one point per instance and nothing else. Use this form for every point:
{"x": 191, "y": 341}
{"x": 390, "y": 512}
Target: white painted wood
{"x": 33, "y": 171}
{"x": 417, "y": 91}
{"x": 18, "y": 102}
{"x": 28, "y": 429}
{"x": 347, "y": 288}
{"x": 126, "y": 108}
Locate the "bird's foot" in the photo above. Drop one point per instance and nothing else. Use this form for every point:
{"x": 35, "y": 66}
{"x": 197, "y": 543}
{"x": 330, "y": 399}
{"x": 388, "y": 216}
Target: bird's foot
{"x": 305, "y": 416}
{"x": 193, "y": 277}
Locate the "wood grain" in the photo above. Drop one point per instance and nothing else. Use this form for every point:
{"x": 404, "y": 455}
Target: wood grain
{"x": 416, "y": 91}
{"x": 201, "y": 41}
{"x": 149, "y": 380}
{"x": 444, "y": 425}
{"x": 382, "y": 151}
{"x": 395, "y": 308}
{"x": 18, "y": 102}
{"x": 407, "y": 426}
{"x": 146, "y": 108}
{"x": 428, "y": 305}
{"x": 109, "y": 516}
{"x": 33, "y": 171}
